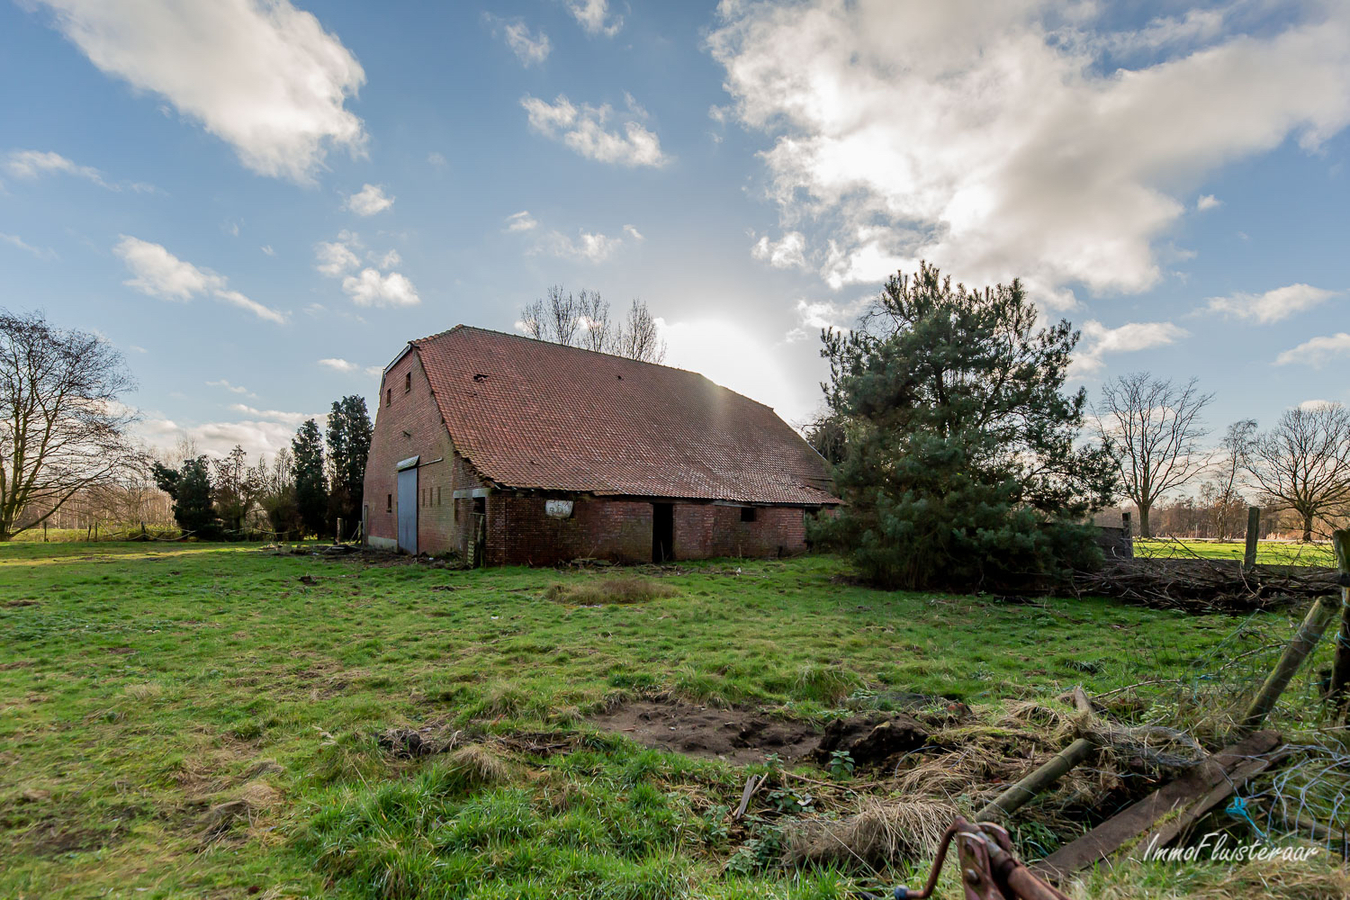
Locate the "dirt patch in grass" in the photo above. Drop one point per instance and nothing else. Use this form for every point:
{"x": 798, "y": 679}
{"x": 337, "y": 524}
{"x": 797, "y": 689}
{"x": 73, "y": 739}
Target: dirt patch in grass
{"x": 736, "y": 735}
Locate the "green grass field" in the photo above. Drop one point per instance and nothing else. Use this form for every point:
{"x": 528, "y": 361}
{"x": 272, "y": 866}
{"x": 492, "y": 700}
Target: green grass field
{"x": 1274, "y": 553}
{"x": 183, "y": 720}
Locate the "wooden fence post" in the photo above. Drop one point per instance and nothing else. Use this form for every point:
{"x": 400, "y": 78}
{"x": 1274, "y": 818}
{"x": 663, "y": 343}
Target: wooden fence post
{"x": 1309, "y": 633}
{"x": 1340, "y": 668}
{"x": 1253, "y": 526}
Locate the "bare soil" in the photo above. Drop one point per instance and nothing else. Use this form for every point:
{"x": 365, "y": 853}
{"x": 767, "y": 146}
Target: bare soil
{"x": 736, "y": 735}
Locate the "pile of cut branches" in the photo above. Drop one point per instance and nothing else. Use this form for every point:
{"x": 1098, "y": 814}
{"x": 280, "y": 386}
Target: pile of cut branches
{"x": 1205, "y": 585}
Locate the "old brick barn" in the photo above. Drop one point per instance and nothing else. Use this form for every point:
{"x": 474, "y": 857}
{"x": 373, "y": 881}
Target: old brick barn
{"x": 510, "y": 450}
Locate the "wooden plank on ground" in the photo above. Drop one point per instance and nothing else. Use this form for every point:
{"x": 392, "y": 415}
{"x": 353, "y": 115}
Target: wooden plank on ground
{"x": 1208, "y": 783}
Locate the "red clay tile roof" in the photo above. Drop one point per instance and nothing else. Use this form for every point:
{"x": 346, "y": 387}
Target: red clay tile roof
{"x": 530, "y": 414}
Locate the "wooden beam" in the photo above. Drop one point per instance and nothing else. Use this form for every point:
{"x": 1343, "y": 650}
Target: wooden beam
{"x": 1057, "y": 767}
{"x": 1309, "y": 633}
{"x": 1207, "y": 783}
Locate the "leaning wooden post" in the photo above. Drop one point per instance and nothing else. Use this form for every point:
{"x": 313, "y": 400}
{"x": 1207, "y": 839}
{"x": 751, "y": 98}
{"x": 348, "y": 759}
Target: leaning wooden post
{"x": 1309, "y": 633}
{"x": 1253, "y": 527}
{"x": 1059, "y": 765}
{"x": 1340, "y": 667}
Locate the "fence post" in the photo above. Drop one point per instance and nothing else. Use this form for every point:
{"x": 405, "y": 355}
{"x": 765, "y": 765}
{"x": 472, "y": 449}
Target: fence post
{"x": 1340, "y": 667}
{"x": 1125, "y": 523}
{"x": 1309, "y": 633}
{"x": 337, "y": 539}
{"x": 1253, "y": 527}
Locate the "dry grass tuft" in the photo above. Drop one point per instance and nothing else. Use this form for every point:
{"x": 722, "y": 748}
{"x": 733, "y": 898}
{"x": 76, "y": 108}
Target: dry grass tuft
{"x": 148, "y": 690}
{"x": 1319, "y": 878}
{"x": 259, "y": 796}
{"x": 478, "y": 766}
{"x": 623, "y": 589}
{"x": 881, "y": 833}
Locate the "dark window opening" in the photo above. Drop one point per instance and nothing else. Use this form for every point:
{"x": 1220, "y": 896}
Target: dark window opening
{"x": 663, "y": 532}
{"x": 478, "y": 548}
{"x": 388, "y": 502}
{"x": 407, "y": 382}
{"x": 438, "y": 496}
{"x": 388, "y": 396}
{"x": 748, "y": 513}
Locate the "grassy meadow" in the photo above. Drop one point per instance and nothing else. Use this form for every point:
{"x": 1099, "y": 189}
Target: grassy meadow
{"x": 197, "y": 720}
{"x": 1273, "y": 553}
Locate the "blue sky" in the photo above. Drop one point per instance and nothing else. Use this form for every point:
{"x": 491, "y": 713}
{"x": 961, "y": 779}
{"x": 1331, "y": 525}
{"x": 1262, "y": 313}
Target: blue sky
{"x": 259, "y": 203}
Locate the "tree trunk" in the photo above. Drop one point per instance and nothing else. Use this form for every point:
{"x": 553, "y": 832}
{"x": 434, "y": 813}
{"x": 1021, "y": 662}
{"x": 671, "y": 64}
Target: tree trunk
{"x": 1307, "y": 527}
{"x": 1144, "y": 530}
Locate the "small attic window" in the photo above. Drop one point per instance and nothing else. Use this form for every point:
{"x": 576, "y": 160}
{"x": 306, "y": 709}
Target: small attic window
{"x": 748, "y": 513}
{"x": 388, "y": 396}
{"x": 480, "y": 378}
{"x": 407, "y": 382}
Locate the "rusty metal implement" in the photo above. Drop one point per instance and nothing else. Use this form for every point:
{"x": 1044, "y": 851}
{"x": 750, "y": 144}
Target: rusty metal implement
{"x": 989, "y": 870}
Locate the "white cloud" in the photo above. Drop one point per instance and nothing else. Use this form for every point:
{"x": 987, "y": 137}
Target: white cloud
{"x": 1317, "y": 352}
{"x": 15, "y": 241}
{"x": 521, "y": 221}
{"x": 529, "y": 48}
{"x": 633, "y": 233}
{"x": 584, "y": 130}
{"x": 1005, "y": 139}
{"x": 368, "y": 201}
{"x": 390, "y": 259}
{"x": 787, "y": 253}
{"x": 592, "y": 16}
{"x": 232, "y": 388}
{"x": 264, "y": 77}
{"x": 158, "y": 273}
{"x": 1207, "y": 201}
{"x": 31, "y": 164}
{"x": 1098, "y": 341}
{"x": 338, "y": 364}
{"x": 1314, "y": 405}
{"x": 436, "y": 159}
{"x": 293, "y": 419}
{"x": 267, "y": 250}
{"x": 1272, "y": 306}
{"x": 335, "y": 257}
{"x": 588, "y": 247}
{"x": 370, "y": 288}
{"x": 217, "y": 439}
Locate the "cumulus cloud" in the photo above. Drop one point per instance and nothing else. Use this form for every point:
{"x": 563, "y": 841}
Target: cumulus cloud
{"x": 521, "y": 221}
{"x": 218, "y": 438}
{"x": 1317, "y": 352}
{"x": 1272, "y": 306}
{"x": 338, "y": 364}
{"x": 368, "y": 201}
{"x": 585, "y": 130}
{"x": 370, "y": 288}
{"x": 1207, "y": 201}
{"x": 293, "y": 419}
{"x": 530, "y": 49}
{"x": 263, "y": 76}
{"x": 633, "y": 233}
{"x": 789, "y": 252}
{"x": 1015, "y": 139}
{"x": 1099, "y": 341}
{"x": 232, "y": 388}
{"x": 158, "y": 273}
{"x": 336, "y": 257}
{"x": 593, "y": 16}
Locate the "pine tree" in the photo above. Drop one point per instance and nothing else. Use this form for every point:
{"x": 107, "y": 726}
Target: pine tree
{"x": 960, "y": 467}
{"x": 190, "y": 488}
{"x": 311, "y": 488}
{"x": 349, "y": 432}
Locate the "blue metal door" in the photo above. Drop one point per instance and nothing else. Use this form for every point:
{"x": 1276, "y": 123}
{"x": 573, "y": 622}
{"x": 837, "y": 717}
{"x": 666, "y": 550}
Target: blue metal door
{"x": 407, "y": 510}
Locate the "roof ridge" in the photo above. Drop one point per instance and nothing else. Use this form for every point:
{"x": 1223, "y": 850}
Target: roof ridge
{"x": 553, "y": 344}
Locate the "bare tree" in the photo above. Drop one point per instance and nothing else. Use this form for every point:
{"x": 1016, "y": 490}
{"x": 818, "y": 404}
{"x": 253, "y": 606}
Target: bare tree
{"x": 62, "y": 426}
{"x": 583, "y": 320}
{"x": 1152, "y": 428}
{"x": 1303, "y": 463}
{"x": 1222, "y": 492}
{"x": 639, "y": 338}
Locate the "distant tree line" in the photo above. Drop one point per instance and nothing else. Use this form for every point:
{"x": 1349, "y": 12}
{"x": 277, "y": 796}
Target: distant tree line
{"x": 304, "y": 491}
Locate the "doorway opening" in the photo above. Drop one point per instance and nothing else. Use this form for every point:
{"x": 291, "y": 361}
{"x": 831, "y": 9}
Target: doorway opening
{"x": 479, "y": 532}
{"x": 663, "y": 532}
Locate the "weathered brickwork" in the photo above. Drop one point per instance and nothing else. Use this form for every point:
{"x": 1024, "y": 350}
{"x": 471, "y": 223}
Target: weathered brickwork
{"x": 409, "y": 422}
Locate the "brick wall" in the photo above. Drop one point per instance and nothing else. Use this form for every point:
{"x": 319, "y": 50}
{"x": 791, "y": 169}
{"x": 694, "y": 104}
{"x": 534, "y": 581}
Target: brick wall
{"x": 408, "y": 423}
{"x": 705, "y": 530}
{"x": 520, "y": 533}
